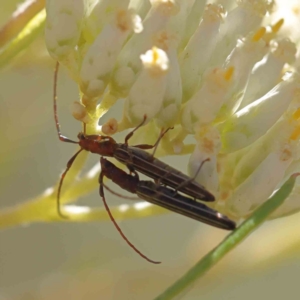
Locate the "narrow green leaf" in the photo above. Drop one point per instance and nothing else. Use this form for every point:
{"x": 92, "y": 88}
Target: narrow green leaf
{"x": 33, "y": 28}
{"x": 19, "y": 18}
{"x": 248, "y": 226}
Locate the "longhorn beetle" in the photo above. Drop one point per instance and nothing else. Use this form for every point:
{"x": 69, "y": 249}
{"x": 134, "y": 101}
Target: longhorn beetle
{"x": 135, "y": 158}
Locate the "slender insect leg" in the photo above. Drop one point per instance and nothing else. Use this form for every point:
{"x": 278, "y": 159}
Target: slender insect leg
{"x": 148, "y": 147}
{"x": 69, "y": 165}
{"x": 183, "y": 184}
{"x": 119, "y": 195}
{"x": 159, "y": 139}
{"x": 130, "y": 134}
{"x": 101, "y": 192}
{"x": 145, "y": 146}
{"x": 130, "y": 166}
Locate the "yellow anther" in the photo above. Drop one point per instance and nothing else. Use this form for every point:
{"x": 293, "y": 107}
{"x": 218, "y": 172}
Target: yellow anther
{"x": 259, "y": 34}
{"x": 277, "y": 26}
{"x": 155, "y": 54}
{"x": 156, "y": 61}
{"x": 296, "y": 114}
{"x": 228, "y": 74}
{"x": 295, "y": 135}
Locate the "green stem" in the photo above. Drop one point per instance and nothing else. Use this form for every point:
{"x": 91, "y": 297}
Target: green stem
{"x": 236, "y": 237}
{"x": 20, "y": 17}
{"x": 24, "y": 38}
{"x": 45, "y": 212}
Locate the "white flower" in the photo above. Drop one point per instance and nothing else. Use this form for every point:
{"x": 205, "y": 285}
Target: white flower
{"x": 63, "y": 27}
{"x": 213, "y": 74}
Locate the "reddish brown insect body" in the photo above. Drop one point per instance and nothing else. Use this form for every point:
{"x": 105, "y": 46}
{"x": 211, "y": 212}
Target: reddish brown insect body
{"x": 135, "y": 158}
{"x": 163, "y": 196}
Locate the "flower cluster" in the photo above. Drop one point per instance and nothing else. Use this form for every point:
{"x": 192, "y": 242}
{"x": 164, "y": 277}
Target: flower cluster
{"x": 226, "y": 78}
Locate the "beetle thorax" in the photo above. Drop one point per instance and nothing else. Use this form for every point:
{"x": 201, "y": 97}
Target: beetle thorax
{"x": 97, "y": 144}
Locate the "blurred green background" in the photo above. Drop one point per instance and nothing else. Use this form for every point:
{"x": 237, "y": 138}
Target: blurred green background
{"x": 91, "y": 261}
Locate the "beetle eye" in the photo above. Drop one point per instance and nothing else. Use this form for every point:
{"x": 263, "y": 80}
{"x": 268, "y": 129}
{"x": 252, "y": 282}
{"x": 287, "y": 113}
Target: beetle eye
{"x": 81, "y": 136}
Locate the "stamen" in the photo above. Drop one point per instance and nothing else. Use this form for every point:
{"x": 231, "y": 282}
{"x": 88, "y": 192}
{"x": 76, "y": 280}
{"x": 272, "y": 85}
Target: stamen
{"x": 277, "y": 25}
{"x": 228, "y": 74}
{"x": 259, "y": 34}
